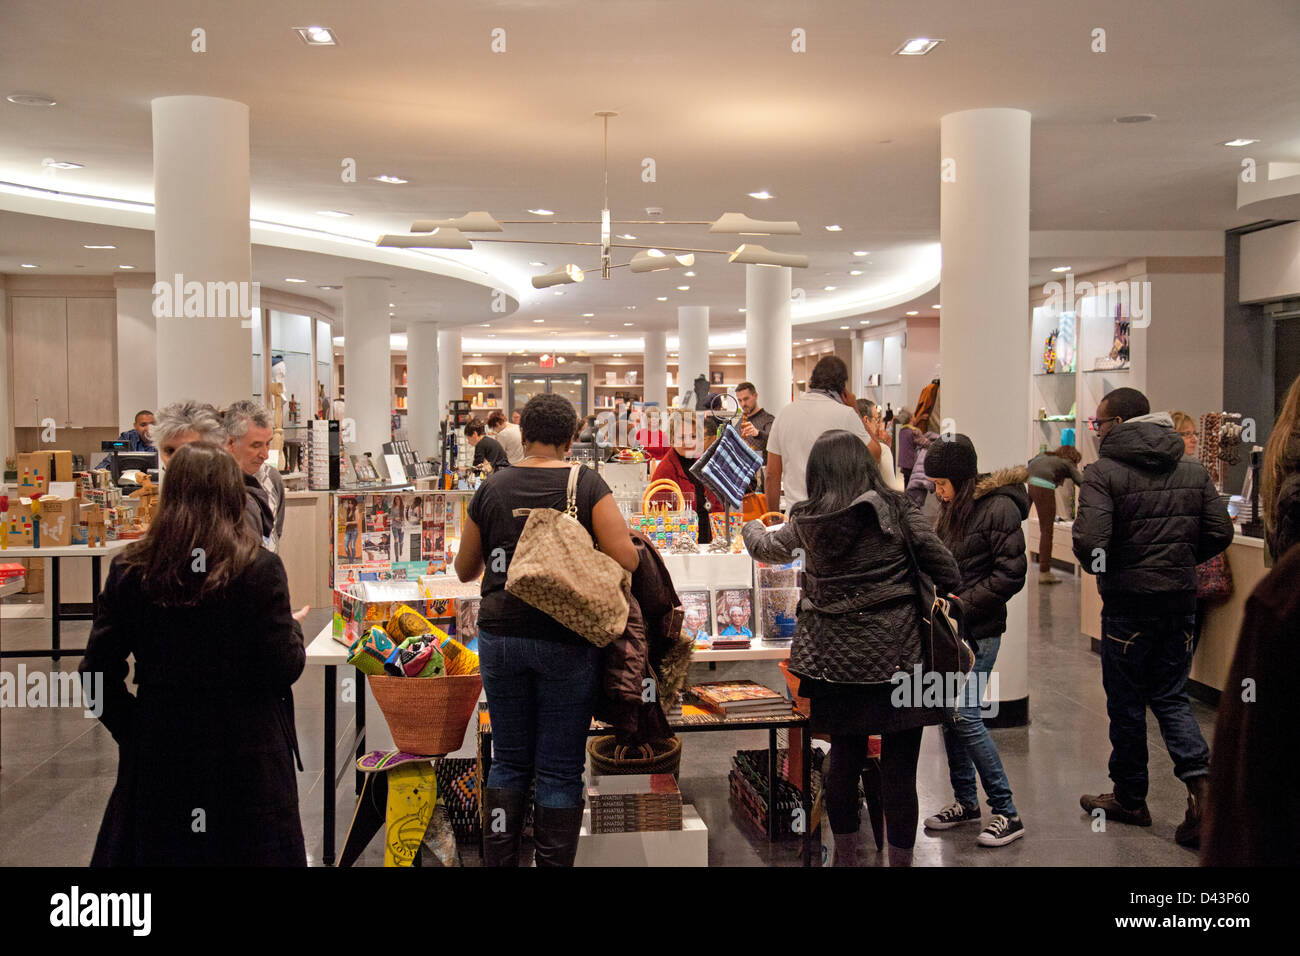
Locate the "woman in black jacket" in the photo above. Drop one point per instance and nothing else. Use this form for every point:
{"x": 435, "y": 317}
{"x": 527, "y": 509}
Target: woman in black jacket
{"x": 206, "y": 746}
{"x": 981, "y": 525}
{"x": 857, "y": 634}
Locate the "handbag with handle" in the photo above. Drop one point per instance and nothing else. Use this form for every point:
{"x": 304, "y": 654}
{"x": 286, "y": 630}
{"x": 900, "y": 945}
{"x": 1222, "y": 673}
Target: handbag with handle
{"x": 557, "y": 569}
{"x": 1214, "y": 579}
{"x": 945, "y": 649}
{"x": 664, "y": 525}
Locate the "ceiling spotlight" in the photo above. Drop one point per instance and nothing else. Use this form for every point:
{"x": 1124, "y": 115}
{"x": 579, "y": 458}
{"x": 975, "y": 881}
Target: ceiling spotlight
{"x": 761, "y": 194}
{"x": 333, "y": 213}
{"x": 561, "y": 276}
{"x": 613, "y": 335}
{"x": 661, "y": 298}
{"x": 392, "y": 305}
{"x": 59, "y": 164}
{"x": 542, "y": 212}
{"x": 936, "y": 307}
{"x": 842, "y": 327}
{"x": 917, "y": 47}
{"x": 864, "y": 322}
{"x": 329, "y": 288}
{"x": 627, "y": 236}
{"x": 740, "y": 310}
{"x": 30, "y": 99}
{"x": 752, "y": 254}
{"x": 288, "y": 279}
{"x": 828, "y": 288}
{"x": 538, "y": 321}
{"x": 683, "y": 288}
{"x": 126, "y": 267}
{"x": 862, "y": 253}
{"x": 538, "y": 264}
{"x": 442, "y": 238}
{"x": 1061, "y": 268}
{"x": 559, "y": 292}
{"x": 99, "y": 247}
{"x": 485, "y": 325}
{"x": 689, "y": 275}
{"x": 652, "y": 260}
{"x": 630, "y": 308}
{"x": 559, "y": 360}
{"x": 28, "y": 265}
{"x": 855, "y": 272}
{"x": 386, "y": 178}
{"x": 629, "y": 323}
{"x": 1240, "y": 142}
{"x": 738, "y": 224}
{"x": 316, "y": 36}
{"x": 914, "y": 312}
{"x": 477, "y": 355}
{"x": 588, "y": 315}
{"x": 834, "y": 229}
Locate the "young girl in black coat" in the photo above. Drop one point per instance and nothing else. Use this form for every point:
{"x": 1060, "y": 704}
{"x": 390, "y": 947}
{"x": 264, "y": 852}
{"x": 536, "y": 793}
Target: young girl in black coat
{"x": 981, "y": 525}
{"x": 858, "y": 631}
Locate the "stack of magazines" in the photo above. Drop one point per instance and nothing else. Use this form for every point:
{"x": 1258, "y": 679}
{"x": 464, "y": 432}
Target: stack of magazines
{"x": 635, "y": 803}
{"x": 740, "y": 698}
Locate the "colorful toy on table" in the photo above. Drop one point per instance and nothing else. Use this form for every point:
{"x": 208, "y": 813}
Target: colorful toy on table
{"x": 147, "y": 495}
{"x": 36, "y": 520}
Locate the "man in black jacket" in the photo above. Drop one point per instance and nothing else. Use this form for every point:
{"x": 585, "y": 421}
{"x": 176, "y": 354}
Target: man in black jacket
{"x": 486, "y": 448}
{"x": 1147, "y": 516}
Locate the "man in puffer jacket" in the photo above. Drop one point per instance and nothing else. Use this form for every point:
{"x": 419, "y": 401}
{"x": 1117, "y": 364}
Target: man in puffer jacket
{"x": 1147, "y": 516}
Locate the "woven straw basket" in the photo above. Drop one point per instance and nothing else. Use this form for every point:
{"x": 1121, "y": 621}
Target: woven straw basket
{"x": 427, "y": 715}
{"x": 610, "y": 759}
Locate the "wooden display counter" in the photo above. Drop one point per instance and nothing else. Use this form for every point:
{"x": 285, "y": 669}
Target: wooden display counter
{"x": 305, "y": 547}
{"x": 1218, "y": 643}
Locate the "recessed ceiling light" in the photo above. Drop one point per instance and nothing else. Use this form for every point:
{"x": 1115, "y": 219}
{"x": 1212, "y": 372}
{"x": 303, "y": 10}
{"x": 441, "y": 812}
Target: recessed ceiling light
{"x": 333, "y": 213}
{"x": 538, "y": 321}
{"x": 864, "y": 321}
{"x": 391, "y": 305}
{"x": 935, "y": 306}
{"x": 386, "y": 178}
{"x": 390, "y": 314}
{"x": 917, "y": 47}
{"x": 1240, "y": 142}
{"x": 30, "y": 99}
{"x": 28, "y": 265}
{"x": 559, "y": 292}
{"x": 828, "y": 288}
{"x": 661, "y": 298}
{"x": 61, "y": 164}
{"x": 329, "y": 288}
{"x": 627, "y": 236}
{"x": 485, "y": 325}
{"x": 740, "y": 310}
{"x": 630, "y": 308}
{"x": 542, "y": 212}
{"x": 834, "y": 229}
{"x": 1135, "y": 118}
{"x": 613, "y": 335}
{"x": 731, "y": 355}
{"x": 862, "y": 253}
{"x": 588, "y": 315}
{"x": 316, "y": 36}
{"x": 689, "y": 275}
{"x": 806, "y": 341}
{"x": 842, "y": 327}
{"x": 477, "y": 355}
{"x": 537, "y": 263}
{"x": 914, "y": 312}
{"x": 762, "y": 194}
{"x": 1061, "y": 268}
{"x": 126, "y": 267}
{"x": 492, "y": 335}
{"x": 855, "y": 272}
{"x": 683, "y": 288}
{"x": 629, "y": 323}
{"x": 99, "y": 247}
{"x": 291, "y": 279}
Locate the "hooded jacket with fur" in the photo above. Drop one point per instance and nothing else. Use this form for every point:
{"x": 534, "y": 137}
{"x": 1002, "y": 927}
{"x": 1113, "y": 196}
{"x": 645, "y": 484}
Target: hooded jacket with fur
{"x": 991, "y": 552}
{"x": 1147, "y": 517}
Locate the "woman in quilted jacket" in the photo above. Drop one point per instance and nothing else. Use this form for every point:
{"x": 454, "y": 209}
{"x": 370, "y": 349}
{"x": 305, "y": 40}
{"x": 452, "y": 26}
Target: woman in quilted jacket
{"x": 981, "y": 525}
{"x": 858, "y": 630}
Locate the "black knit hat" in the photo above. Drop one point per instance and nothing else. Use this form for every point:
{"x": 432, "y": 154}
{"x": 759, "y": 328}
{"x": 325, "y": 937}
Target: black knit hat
{"x": 951, "y": 458}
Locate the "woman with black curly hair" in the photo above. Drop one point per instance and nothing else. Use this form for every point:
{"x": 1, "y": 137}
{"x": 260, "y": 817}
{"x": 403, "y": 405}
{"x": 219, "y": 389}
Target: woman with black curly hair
{"x": 541, "y": 678}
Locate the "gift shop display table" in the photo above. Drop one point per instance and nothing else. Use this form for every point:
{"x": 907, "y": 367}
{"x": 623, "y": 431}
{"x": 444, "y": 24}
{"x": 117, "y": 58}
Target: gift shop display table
{"x": 58, "y": 614}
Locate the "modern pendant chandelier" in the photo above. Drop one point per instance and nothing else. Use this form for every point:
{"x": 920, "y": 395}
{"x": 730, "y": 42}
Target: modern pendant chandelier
{"x": 451, "y": 234}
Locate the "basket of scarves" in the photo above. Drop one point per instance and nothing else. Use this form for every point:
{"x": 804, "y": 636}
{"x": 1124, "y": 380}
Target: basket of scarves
{"x": 666, "y": 522}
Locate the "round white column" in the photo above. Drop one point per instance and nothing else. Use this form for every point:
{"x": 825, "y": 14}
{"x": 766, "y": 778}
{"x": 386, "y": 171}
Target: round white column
{"x": 367, "y": 365}
{"x": 450, "y": 370}
{"x": 984, "y": 336}
{"x": 423, "y": 413}
{"x": 656, "y": 367}
{"x": 768, "y": 358}
{"x": 692, "y": 348}
{"x": 200, "y": 179}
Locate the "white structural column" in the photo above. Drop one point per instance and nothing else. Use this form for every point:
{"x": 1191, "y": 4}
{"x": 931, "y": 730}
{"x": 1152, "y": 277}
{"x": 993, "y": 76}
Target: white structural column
{"x": 367, "y": 365}
{"x": 656, "y": 367}
{"x": 451, "y": 370}
{"x": 692, "y": 348}
{"x": 423, "y": 412}
{"x": 984, "y": 334}
{"x": 768, "y": 359}
{"x": 200, "y": 178}
{"x": 137, "y": 350}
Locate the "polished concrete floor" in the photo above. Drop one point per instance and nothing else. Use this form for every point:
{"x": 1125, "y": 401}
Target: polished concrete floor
{"x": 57, "y": 767}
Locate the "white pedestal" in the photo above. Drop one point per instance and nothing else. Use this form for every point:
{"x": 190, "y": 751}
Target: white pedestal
{"x": 688, "y": 846}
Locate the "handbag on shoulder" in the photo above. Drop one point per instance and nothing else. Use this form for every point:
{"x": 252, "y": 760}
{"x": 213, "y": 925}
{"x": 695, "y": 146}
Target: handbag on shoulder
{"x": 557, "y": 569}
{"x": 945, "y": 649}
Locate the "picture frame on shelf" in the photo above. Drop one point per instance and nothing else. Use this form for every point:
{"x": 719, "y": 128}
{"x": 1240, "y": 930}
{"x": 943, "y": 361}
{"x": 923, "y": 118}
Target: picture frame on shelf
{"x": 734, "y": 612}
{"x": 715, "y": 378}
{"x": 697, "y": 607}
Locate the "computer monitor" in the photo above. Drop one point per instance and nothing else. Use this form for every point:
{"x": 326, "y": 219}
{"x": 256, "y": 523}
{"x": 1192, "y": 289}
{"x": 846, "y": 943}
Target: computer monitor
{"x": 138, "y": 460}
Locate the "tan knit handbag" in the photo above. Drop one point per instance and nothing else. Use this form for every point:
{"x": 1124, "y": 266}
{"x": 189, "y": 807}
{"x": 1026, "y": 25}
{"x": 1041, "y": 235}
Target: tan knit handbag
{"x": 557, "y": 569}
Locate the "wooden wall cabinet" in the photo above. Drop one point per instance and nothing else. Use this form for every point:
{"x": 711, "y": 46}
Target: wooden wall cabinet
{"x": 65, "y": 365}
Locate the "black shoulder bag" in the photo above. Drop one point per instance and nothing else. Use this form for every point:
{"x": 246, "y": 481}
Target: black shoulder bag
{"x": 945, "y": 648}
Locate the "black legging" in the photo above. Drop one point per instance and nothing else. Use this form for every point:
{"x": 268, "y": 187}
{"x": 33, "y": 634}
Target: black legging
{"x": 899, "y": 753}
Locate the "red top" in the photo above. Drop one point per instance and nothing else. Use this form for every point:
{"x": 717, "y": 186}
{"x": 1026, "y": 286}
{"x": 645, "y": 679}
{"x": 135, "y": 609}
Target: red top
{"x": 672, "y": 467}
{"x": 655, "y": 444}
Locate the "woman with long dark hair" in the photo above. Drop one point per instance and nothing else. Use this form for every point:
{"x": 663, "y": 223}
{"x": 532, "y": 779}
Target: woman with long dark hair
{"x": 206, "y": 745}
{"x": 980, "y": 524}
{"x": 859, "y": 627}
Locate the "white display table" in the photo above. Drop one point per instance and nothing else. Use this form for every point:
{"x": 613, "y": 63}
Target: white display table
{"x": 688, "y": 846}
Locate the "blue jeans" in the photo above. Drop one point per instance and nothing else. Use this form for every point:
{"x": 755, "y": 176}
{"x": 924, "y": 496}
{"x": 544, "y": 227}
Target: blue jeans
{"x": 970, "y": 746}
{"x": 350, "y": 543}
{"x": 540, "y": 694}
{"x": 1144, "y": 663}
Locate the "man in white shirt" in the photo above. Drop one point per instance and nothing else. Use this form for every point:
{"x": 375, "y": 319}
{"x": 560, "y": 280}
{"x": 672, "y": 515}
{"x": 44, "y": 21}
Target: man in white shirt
{"x": 826, "y": 406}
{"x": 508, "y": 435}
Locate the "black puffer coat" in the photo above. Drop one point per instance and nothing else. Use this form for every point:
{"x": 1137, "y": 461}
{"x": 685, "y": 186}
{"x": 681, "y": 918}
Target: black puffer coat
{"x": 1153, "y": 515}
{"x": 858, "y": 617}
{"x": 991, "y": 552}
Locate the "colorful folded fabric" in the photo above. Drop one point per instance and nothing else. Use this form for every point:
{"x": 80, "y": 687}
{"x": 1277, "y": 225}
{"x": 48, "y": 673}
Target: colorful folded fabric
{"x": 460, "y": 660}
{"x": 372, "y": 651}
{"x": 728, "y": 466}
{"x": 405, "y": 622}
{"x": 421, "y": 658}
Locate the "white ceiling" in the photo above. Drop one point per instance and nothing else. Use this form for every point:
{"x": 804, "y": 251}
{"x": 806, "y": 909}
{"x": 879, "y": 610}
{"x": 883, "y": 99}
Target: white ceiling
{"x": 845, "y": 133}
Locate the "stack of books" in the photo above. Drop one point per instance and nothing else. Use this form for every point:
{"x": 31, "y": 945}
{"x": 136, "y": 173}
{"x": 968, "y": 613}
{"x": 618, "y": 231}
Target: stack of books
{"x": 730, "y": 642}
{"x": 740, "y": 698}
{"x": 635, "y": 803}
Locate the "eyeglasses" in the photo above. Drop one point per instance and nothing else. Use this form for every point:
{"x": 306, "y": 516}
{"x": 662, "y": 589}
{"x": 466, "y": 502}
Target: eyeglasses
{"x": 1095, "y": 423}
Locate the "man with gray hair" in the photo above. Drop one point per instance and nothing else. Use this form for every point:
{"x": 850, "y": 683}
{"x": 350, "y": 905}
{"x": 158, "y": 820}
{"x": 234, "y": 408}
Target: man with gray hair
{"x": 184, "y": 422}
{"x": 248, "y": 439}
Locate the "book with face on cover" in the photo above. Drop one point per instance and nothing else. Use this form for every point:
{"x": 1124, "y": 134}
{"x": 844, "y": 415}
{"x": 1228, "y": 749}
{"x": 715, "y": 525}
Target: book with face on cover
{"x": 740, "y": 696}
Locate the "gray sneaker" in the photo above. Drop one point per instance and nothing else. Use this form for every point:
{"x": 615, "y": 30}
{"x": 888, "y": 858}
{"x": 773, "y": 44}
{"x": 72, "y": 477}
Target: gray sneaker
{"x": 953, "y": 816}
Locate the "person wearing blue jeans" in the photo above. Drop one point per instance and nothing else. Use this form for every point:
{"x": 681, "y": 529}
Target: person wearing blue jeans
{"x": 981, "y": 526}
{"x": 970, "y": 747}
{"x": 1144, "y": 663}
